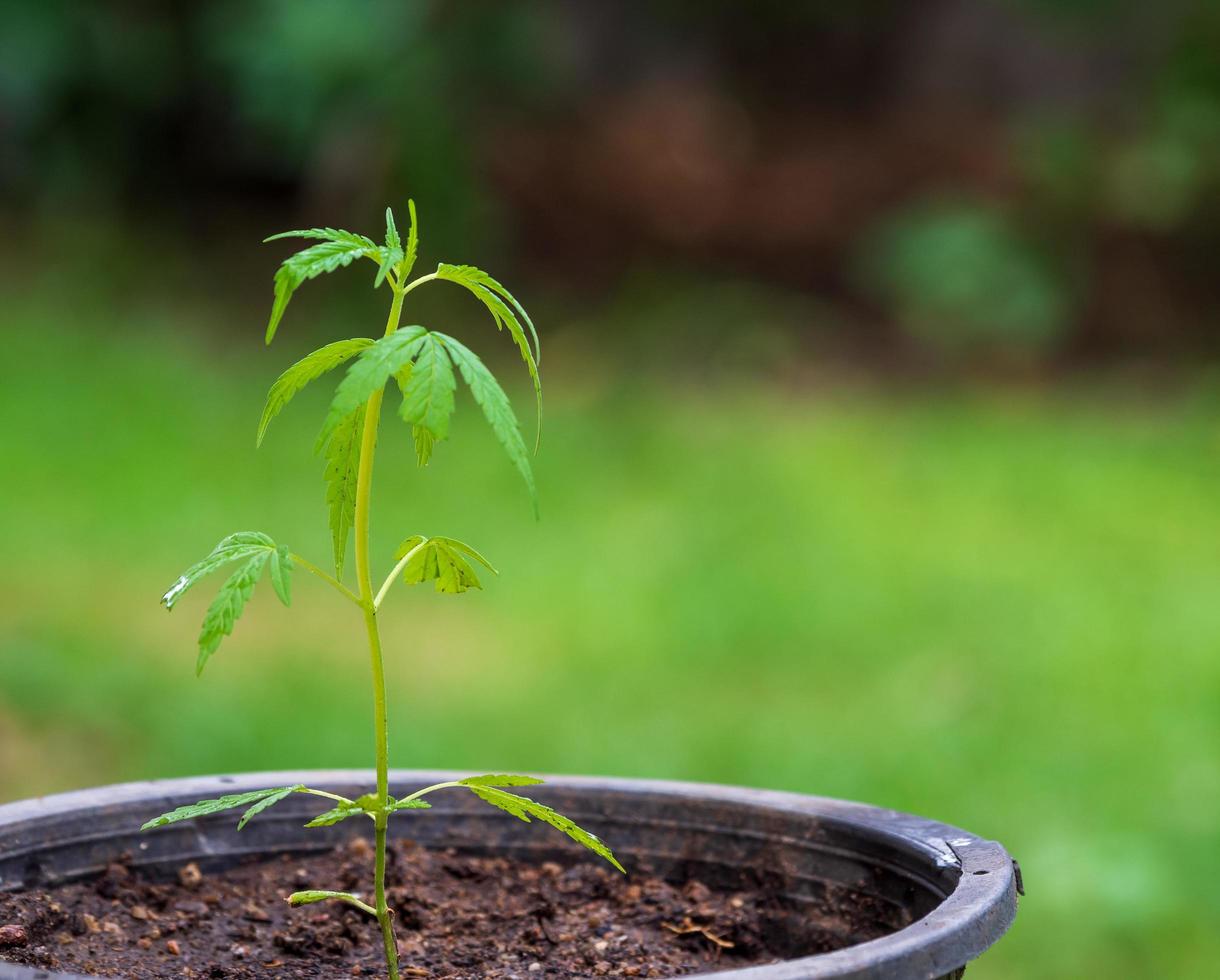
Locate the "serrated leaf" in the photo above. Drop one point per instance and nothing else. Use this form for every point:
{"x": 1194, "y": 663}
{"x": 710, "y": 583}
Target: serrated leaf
{"x": 424, "y": 441}
{"x": 412, "y": 244}
{"x": 368, "y": 373}
{"x": 389, "y": 257}
{"x": 337, "y": 249}
{"x": 454, "y": 574}
{"x": 427, "y": 396}
{"x": 504, "y": 309}
{"x": 469, "y": 275}
{"x": 499, "y": 779}
{"x": 496, "y": 408}
{"x": 327, "y": 234}
{"x": 441, "y": 560}
{"x": 266, "y": 803}
{"x": 342, "y": 471}
{"x": 337, "y": 814}
{"x": 409, "y": 805}
{"x": 391, "y": 231}
{"x": 206, "y": 807}
{"x": 228, "y": 605}
{"x": 242, "y": 544}
{"x": 524, "y": 808}
{"x": 464, "y": 548}
{"x": 307, "y": 369}
{"x": 281, "y": 574}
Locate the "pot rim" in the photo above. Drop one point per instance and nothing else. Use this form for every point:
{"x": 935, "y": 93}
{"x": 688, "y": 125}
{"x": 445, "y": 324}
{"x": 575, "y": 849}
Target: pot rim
{"x": 973, "y": 915}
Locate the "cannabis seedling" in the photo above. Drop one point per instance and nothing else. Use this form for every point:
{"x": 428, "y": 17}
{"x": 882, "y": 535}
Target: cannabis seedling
{"x": 421, "y": 362}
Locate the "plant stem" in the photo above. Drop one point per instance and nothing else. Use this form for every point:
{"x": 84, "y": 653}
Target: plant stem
{"x": 364, "y": 479}
{"x": 383, "y": 913}
{"x": 311, "y": 567}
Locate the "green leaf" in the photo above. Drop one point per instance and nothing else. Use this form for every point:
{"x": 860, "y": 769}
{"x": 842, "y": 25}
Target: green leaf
{"x": 409, "y": 805}
{"x": 524, "y": 808}
{"x": 470, "y": 276}
{"x": 500, "y": 780}
{"x": 266, "y": 803}
{"x": 390, "y": 257}
{"x": 339, "y": 813}
{"x": 337, "y": 249}
{"x": 281, "y": 574}
{"x": 464, "y": 548}
{"x": 243, "y": 544}
{"x": 496, "y": 408}
{"x": 228, "y": 605}
{"x": 441, "y": 560}
{"x": 309, "y": 897}
{"x": 424, "y": 441}
{"x": 206, "y": 807}
{"x": 326, "y": 234}
{"x": 412, "y": 245}
{"x": 391, "y": 231}
{"x": 494, "y": 297}
{"x": 427, "y": 396}
{"x": 307, "y": 369}
{"x": 342, "y": 472}
{"x": 369, "y": 373}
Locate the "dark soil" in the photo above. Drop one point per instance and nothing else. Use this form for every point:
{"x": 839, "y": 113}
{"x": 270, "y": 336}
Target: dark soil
{"x": 458, "y": 916}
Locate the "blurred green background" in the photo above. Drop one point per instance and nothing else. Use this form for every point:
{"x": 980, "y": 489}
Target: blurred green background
{"x": 881, "y": 448}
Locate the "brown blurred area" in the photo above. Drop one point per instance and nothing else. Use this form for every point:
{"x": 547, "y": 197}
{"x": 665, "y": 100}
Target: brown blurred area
{"x": 1019, "y": 176}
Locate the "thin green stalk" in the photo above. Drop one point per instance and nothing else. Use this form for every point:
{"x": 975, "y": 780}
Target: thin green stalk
{"x": 364, "y": 479}
{"x": 311, "y": 567}
{"x": 325, "y": 795}
{"x": 429, "y": 789}
{"x": 402, "y": 563}
{"x": 418, "y": 282}
{"x": 383, "y": 913}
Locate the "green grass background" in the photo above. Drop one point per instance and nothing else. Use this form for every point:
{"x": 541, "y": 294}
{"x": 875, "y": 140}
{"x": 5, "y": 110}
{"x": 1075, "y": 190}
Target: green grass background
{"x": 998, "y": 609}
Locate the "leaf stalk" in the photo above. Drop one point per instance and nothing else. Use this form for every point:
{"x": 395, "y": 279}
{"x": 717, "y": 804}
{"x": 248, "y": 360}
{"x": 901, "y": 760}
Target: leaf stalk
{"x": 402, "y": 563}
{"x": 418, "y": 282}
{"x": 325, "y": 577}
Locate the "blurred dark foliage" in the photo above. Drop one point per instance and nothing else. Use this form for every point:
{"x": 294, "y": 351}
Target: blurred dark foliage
{"x": 1032, "y": 177}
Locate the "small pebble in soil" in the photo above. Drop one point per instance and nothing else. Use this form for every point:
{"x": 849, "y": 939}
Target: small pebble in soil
{"x": 13, "y": 935}
{"x": 189, "y": 876}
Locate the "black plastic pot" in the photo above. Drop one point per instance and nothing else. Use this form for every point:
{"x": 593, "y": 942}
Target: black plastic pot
{"x": 935, "y": 897}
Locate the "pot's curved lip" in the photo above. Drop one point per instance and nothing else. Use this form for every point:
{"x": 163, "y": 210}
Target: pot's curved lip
{"x": 973, "y": 916}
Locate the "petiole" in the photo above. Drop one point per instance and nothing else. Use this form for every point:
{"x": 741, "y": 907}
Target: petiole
{"x": 402, "y": 563}
{"x": 330, "y": 579}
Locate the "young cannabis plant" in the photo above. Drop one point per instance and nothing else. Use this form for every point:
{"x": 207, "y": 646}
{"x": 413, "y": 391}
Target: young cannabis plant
{"x": 421, "y": 364}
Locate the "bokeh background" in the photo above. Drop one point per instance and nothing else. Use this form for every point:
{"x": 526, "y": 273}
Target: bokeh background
{"x": 881, "y": 449}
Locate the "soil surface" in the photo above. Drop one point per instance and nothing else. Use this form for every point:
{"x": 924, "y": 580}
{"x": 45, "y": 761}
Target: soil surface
{"x": 458, "y": 916}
